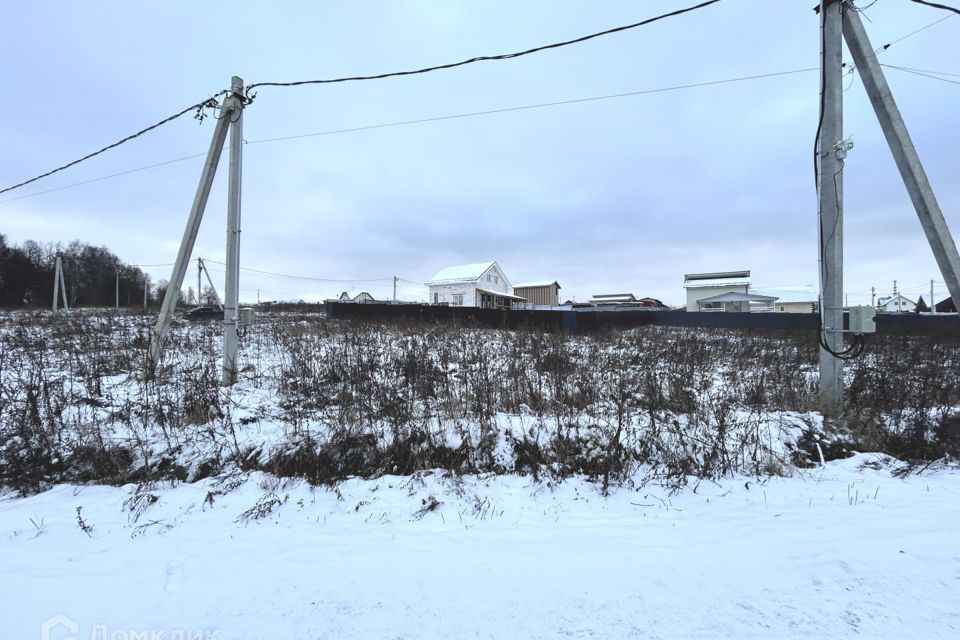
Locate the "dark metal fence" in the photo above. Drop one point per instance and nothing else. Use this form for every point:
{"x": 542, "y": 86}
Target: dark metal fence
{"x": 587, "y": 320}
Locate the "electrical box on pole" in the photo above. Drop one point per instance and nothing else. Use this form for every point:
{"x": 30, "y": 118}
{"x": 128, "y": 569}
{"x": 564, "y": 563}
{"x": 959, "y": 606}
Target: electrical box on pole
{"x": 862, "y": 320}
{"x": 247, "y": 315}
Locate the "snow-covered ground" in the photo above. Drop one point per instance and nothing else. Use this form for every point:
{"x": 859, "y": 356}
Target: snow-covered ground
{"x": 847, "y": 550}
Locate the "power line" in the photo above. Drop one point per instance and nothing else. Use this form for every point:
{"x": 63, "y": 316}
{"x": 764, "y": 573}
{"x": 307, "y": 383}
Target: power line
{"x": 107, "y": 177}
{"x": 198, "y": 107}
{"x": 403, "y": 123}
{"x": 913, "y": 33}
{"x": 502, "y": 56}
{"x": 533, "y": 106}
{"x": 939, "y": 73}
{"x": 288, "y": 275}
{"x": 248, "y": 97}
{"x": 936, "y": 5}
{"x": 918, "y": 73}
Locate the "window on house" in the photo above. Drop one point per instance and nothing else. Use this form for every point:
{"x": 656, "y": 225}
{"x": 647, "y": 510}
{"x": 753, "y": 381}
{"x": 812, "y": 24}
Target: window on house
{"x": 458, "y": 299}
{"x": 436, "y": 298}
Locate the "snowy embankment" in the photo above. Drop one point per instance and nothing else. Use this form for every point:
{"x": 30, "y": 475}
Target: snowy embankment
{"x": 846, "y": 550}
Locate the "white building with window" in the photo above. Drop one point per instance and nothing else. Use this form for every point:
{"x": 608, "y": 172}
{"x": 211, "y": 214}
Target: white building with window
{"x": 896, "y": 304}
{"x": 482, "y": 284}
{"x": 700, "y": 286}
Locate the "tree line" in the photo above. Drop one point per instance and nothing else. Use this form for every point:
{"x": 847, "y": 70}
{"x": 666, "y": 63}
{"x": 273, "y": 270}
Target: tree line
{"x": 92, "y": 275}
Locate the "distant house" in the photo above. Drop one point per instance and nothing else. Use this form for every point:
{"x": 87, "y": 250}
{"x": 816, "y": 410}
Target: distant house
{"x": 482, "y": 284}
{"x": 699, "y": 286}
{"x": 362, "y": 297}
{"x": 613, "y": 299}
{"x": 896, "y": 304}
{"x": 539, "y": 293}
{"x": 652, "y": 303}
{"x": 945, "y": 306}
{"x": 625, "y": 300}
{"x": 736, "y": 303}
{"x": 794, "y": 299}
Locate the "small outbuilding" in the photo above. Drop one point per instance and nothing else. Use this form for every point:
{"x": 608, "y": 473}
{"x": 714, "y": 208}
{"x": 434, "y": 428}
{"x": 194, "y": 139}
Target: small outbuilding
{"x": 792, "y": 299}
{"x": 539, "y": 293}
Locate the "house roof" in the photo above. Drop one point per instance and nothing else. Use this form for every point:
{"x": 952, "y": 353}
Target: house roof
{"x": 649, "y": 299}
{"x": 530, "y": 285}
{"x": 461, "y": 273}
{"x": 718, "y": 279}
{"x": 614, "y": 297}
{"x": 885, "y": 299}
{"x": 738, "y": 297}
{"x": 797, "y": 293}
{"x": 717, "y": 275}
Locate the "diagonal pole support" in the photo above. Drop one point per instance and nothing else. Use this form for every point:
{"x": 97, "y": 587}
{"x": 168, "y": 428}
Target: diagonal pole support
{"x": 904, "y": 153}
{"x": 159, "y": 333}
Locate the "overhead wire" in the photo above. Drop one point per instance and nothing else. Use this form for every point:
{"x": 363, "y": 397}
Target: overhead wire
{"x": 299, "y": 277}
{"x": 402, "y": 123}
{"x": 475, "y": 59}
{"x": 937, "y": 5}
{"x": 939, "y": 73}
{"x": 537, "y": 105}
{"x": 913, "y": 33}
{"x": 430, "y": 119}
{"x": 248, "y": 96}
{"x": 106, "y": 177}
{"x": 197, "y": 108}
{"x": 919, "y": 73}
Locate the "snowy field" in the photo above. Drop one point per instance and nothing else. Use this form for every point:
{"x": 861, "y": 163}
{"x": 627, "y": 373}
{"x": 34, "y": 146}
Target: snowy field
{"x": 418, "y": 481}
{"x": 848, "y": 550}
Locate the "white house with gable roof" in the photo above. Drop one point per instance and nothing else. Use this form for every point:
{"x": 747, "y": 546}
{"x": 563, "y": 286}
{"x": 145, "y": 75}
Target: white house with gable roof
{"x": 482, "y": 284}
{"x": 896, "y": 304}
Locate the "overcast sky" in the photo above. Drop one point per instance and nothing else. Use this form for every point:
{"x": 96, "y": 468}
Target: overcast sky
{"x": 606, "y": 196}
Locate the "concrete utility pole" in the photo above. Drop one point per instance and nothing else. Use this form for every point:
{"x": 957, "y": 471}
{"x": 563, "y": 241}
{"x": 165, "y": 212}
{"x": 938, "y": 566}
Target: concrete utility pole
{"x": 59, "y": 286}
{"x": 116, "y": 304}
{"x": 873, "y": 296}
{"x": 831, "y": 150}
{"x": 394, "y": 288}
{"x": 232, "y": 287}
{"x": 199, "y": 272}
{"x": 146, "y": 290}
{"x": 904, "y": 153}
{"x": 933, "y": 303}
{"x": 159, "y": 333}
